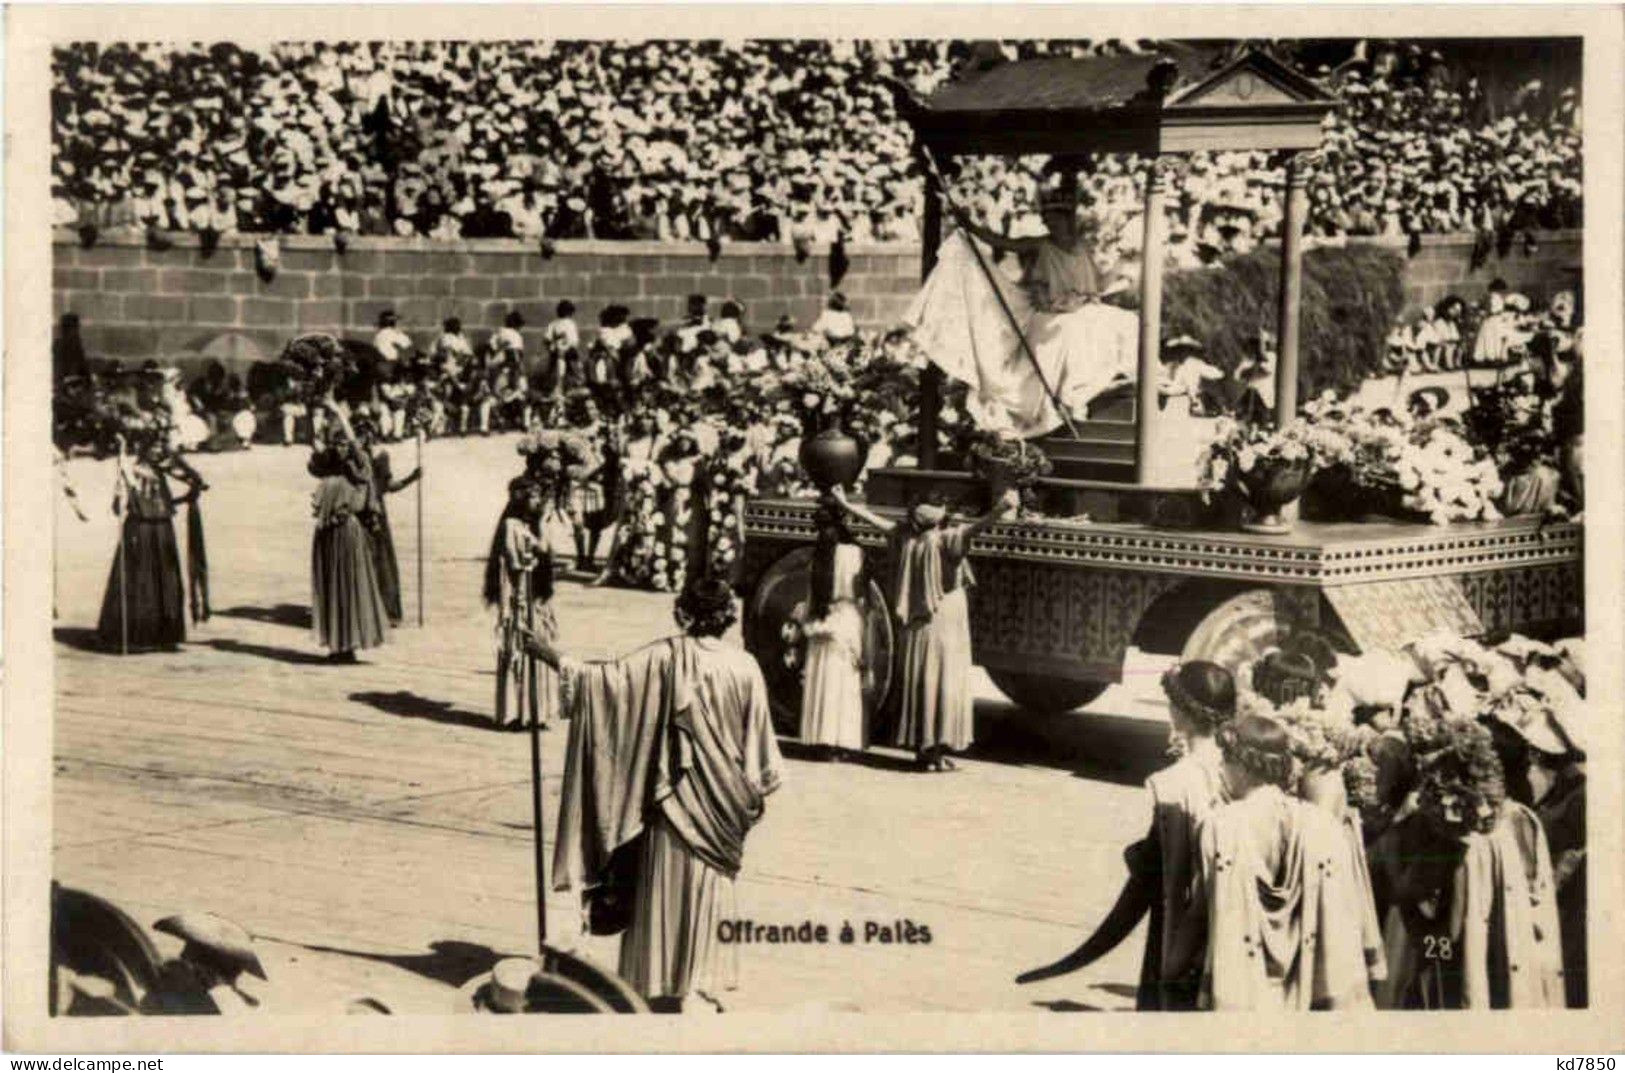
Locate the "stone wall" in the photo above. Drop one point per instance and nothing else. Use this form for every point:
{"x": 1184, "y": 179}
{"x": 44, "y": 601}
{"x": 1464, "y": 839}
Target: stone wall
{"x": 135, "y": 302}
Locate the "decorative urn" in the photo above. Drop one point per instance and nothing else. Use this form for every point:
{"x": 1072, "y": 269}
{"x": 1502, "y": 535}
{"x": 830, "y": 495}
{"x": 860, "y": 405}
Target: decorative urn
{"x": 831, "y": 458}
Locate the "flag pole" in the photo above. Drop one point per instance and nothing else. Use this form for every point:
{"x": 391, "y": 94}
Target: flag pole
{"x": 420, "y": 524}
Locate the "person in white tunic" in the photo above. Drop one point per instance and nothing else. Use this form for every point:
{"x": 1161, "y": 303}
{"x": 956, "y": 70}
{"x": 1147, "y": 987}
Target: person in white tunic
{"x": 933, "y": 574}
{"x": 970, "y": 320}
{"x": 670, "y": 761}
{"x": 832, "y": 715}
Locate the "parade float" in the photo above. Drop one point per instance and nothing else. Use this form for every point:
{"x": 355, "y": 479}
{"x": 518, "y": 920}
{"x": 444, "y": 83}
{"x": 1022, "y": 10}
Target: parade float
{"x": 1133, "y": 544}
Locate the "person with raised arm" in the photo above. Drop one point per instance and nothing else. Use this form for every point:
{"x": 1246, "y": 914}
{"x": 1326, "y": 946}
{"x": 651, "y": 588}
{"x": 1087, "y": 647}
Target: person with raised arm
{"x": 930, "y": 602}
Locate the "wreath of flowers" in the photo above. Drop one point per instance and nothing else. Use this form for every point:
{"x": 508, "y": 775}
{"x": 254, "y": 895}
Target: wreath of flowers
{"x": 1461, "y": 787}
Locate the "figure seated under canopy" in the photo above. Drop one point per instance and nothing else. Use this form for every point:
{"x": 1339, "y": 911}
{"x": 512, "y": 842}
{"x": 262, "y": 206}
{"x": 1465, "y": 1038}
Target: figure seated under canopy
{"x": 970, "y": 319}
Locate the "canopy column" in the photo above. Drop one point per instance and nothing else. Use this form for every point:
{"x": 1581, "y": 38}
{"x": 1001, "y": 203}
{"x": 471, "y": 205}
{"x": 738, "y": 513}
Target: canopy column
{"x": 1297, "y": 210}
{"x": 1148, "y": 450}
{"x": 931, "y": 378}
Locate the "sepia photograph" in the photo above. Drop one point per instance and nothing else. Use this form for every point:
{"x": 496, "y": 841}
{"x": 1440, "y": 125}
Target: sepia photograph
{"x": 810, "y": 524}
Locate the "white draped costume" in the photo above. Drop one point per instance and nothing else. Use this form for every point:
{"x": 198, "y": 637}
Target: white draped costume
{"x": 1082, "y": 345}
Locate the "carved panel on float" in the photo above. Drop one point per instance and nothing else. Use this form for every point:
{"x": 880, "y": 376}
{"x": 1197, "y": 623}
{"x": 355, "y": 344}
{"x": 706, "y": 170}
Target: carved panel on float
{"x": 1535, "y": 600}
{"x": 1058, "y": 619}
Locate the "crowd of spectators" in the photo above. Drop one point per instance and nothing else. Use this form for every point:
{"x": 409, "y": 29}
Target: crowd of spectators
{"x": 782, "y": 140}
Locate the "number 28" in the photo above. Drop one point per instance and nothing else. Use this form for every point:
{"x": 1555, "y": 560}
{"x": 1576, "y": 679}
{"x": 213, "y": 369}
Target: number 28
{"x": 1438, "y": 948}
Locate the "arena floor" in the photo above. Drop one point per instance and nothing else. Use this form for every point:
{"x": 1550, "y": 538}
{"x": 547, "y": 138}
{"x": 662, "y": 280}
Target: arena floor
{"x": 373, "y": 832}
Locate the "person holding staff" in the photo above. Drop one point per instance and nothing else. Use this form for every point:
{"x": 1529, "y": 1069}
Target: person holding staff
{"x": 519, "y": 584}
{"x": 144, "y": 607}
{"x": 385, "y": 564}
{"x": 347, "y": 607}
{"x": 670, "y": 761}
{"x": 933, "y": 574}
{"x": 1026, "y": 348}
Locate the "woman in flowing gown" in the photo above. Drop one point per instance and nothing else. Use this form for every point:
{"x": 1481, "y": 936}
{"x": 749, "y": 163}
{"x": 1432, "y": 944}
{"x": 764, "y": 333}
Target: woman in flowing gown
{"x": 1273, "y": 925}
{"x": 832, "y": 715}
{"x": 144, "y": 604}
{"x": 385, "y": 563}
{"x": 960, "y": 320}
{"x": 347, "y": 607}
{"x": 1201, "y": 700}
{"x": 519, "y": 584}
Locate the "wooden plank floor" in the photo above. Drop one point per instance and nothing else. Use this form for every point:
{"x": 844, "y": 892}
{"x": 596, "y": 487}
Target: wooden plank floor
{"x": 374, "y": 832}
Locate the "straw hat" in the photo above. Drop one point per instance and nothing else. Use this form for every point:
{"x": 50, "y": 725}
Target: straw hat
{"x": 218, "y": 939}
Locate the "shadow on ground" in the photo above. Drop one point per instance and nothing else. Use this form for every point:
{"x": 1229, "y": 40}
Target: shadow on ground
{"x": 271, "y": 652}
{"x": 1104, "y": 748}
{"x": 797, "y": 750}
{"x": 1066, "y": 1005}
{"x": 81, "y": 639}
{"x": 449, "y": 961}
{"x": 297, "y": 615}
{"x": 410, "y": 705}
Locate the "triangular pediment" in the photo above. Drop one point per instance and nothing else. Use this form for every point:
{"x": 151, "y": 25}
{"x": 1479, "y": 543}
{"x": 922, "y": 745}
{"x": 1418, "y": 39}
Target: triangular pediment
{"x": 1256, "y": 80}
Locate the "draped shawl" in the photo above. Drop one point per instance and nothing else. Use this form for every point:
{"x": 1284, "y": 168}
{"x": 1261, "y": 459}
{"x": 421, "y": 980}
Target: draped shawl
{"x": 929, "y": 566}
{"x": 681, "y": 725}
{"x": 1282, "y": 932}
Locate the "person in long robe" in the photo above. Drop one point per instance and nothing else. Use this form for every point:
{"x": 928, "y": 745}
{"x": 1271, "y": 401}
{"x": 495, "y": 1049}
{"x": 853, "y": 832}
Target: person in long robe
{"x": 1201, "y": 699}
{"x": 933, "y": 574}
{"x": 832, "y": 715}
{"x": 144, "y": 603}
{"x": 1274, "y": 927}
{"x": 519, "y": 585}
{"x": 385, "y": 563}
{"x": 347, "y": 608}
{"x": 969, "y": 318}
{"x": 1468, "y": 901}
{"x": 674, "y": 745}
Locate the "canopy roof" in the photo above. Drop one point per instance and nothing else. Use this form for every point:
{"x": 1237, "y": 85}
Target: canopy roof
{"x": 1179, "y": 99}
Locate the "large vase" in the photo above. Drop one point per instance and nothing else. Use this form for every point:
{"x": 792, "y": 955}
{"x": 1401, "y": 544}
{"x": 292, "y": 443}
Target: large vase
{"x": 831, "y": 458}
{"x": 1269, "y": 488}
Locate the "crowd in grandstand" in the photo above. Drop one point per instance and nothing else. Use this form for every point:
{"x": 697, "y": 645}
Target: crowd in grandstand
{"x": 792, "y": 141}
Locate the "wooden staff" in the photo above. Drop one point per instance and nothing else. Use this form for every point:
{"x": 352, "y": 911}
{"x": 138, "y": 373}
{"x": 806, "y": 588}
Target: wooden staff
{"x": 420, "y": 481}
{"x": 123, "y": 577}
{"x": 536, "y": 788}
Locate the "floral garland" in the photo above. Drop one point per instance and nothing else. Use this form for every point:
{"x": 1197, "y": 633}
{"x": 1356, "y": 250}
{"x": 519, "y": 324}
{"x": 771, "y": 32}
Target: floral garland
{"x": 1320, "y": 741}
{"x": 636, "y": 561}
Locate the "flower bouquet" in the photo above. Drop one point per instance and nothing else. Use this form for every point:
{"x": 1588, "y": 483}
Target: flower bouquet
{"x": 319, "y": 364}
{"x": 820, "y": 390}
{"x": 1007, "y": 462}
{"x": 1375, "y": 461}
{"x": 1267, "y": 467}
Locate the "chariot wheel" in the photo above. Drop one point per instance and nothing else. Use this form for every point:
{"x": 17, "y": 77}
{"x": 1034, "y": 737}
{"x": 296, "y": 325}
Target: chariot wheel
{"x": 772, "y": 634}
{"x": 1045, "y": 694}
{"x": 1245, "y": 627}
